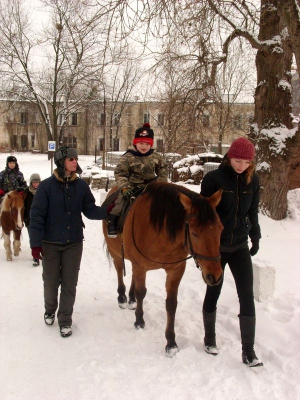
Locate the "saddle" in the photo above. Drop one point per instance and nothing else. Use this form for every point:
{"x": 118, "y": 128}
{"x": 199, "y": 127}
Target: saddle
{"x": 127, "y": 205}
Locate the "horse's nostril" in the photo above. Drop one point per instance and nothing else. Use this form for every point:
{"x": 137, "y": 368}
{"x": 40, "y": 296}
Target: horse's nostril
{"x": 210, "y": 279}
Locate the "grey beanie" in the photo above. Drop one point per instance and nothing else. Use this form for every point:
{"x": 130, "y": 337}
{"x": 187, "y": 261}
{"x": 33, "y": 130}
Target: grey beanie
{"x": 34, "y": 178}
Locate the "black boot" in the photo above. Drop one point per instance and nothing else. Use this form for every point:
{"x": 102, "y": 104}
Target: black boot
{"x": 209, "y": 321}
{"x": 112, "y": 226}
{"x": 247, "y": 326}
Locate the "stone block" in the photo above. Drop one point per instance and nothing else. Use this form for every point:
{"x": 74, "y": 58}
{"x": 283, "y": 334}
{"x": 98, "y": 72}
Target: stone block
{"x": 264, "y": 281}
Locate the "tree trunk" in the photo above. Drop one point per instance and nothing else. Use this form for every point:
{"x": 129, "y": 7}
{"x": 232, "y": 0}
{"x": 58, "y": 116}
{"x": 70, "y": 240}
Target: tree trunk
{"x": 276, "y": 139}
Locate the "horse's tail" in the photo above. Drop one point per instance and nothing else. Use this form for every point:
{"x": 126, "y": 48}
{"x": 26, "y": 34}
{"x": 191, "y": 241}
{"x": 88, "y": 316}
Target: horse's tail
{"x": 109, "y": 257}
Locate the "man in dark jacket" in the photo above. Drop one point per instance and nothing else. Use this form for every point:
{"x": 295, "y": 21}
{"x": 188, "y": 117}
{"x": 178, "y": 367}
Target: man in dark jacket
{"x": 56, "y": 234}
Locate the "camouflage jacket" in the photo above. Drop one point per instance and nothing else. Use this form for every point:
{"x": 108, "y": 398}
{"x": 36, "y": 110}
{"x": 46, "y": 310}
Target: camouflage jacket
{"x": 11, "y": 179}
{"x": 135, "y": 168}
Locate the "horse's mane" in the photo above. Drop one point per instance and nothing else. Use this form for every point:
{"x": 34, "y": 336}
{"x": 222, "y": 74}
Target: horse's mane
{"x": 166, "y": 205}
{"x": 11, "y": 199}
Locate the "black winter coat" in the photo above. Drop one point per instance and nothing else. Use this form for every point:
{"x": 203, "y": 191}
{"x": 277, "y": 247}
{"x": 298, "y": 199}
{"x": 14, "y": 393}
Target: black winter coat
{"x": 238, "y": 209}
{"x": 55, "y": 214}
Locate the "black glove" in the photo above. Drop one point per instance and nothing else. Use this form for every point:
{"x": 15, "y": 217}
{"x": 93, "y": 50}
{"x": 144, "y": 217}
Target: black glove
{"x": 255, "y": 247}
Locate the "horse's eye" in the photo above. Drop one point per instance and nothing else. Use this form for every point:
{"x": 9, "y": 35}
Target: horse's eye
{"x": 194, "y": 234}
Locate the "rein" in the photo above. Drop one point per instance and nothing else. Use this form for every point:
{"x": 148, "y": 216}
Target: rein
{"x": 187, "y": 242}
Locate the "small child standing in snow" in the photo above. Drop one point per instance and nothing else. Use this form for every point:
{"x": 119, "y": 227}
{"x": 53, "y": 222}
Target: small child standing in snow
{"x": 137, "y": 167}
{"x": 34, "y": 182}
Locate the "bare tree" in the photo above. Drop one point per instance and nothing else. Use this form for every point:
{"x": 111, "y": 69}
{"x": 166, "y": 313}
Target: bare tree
{"x": 204, "y": 32}
{"x": 74, "y": 45}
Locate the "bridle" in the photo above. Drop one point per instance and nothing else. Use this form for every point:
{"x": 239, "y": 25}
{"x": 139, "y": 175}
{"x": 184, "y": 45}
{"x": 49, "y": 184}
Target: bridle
{"x": 187, "y": 244}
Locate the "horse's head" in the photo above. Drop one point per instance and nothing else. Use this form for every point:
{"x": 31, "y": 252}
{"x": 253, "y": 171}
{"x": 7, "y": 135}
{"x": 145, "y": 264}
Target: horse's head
{"x": 13, "y": 203}
{"x": 202, "y": 234}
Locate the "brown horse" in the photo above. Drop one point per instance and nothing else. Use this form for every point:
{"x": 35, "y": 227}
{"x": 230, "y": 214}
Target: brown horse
{"x": 11, "y": 219}
{"x": 166, "y": 224}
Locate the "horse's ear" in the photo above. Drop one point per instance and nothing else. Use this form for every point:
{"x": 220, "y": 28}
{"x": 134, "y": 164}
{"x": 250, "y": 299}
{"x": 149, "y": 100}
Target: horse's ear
{"x": 185, "y": 201}
{"x": 215, "y": 198}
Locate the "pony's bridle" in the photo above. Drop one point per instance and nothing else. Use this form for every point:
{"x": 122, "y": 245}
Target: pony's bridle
{"x": 187, "y": 244}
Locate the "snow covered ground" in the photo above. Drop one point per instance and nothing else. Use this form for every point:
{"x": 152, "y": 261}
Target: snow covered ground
{"x": 107, "y": 359}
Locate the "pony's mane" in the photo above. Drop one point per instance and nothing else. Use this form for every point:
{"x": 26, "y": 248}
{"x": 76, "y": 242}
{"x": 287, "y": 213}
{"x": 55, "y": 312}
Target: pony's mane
{"x": 166, "y": 206}
{"x": 12, "y": 199}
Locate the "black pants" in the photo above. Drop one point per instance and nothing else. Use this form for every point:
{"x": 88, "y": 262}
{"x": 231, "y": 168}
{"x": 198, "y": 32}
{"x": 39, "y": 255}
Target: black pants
{"x": 240, "y": 264}
{"x": 61, "y": 264}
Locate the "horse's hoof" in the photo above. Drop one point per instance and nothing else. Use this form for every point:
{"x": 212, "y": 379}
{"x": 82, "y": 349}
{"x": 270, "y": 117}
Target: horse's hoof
{"x": 9, "y": 259}
{"x": 131, "y": 305}
{"x": 171, "y": 351}
{"x": 122, "y": 301}
{"x": 122, "y": 305}
{"x": 139, "y": 325}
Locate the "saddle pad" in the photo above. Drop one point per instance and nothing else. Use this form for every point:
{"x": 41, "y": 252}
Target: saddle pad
{"x": 111, "y": 198}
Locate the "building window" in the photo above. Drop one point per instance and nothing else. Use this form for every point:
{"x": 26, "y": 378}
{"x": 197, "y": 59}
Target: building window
{"x": 205, "y": 120}
{"x": 32, "y": 140}
{"x": 146, "y": 117}
{"x": 23, "y": 118}
{"x": 101, "y": 119}
{"x": 14, "y": 141}
{"x": 161, "y": 119}
{"x": 24, "y": 142}
{"x": 101, "y": 144}
{"x": 74, "y": 119}
{"x": 160, "y": 145}
{"x": 70, "y": 141}
{"x": 116, "y": 119}
{"x": 116, "y": 144}
{"x": 251, "y": 119}
{"x": 237, "y": 121}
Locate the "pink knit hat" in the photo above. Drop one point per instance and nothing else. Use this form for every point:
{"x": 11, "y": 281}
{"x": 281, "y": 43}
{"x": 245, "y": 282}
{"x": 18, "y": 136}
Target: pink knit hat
{"x": 242, "y": 149}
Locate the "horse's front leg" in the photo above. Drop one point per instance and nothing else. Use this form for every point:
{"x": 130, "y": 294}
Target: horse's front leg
{"x": 139, "y": 277}
{"x": 131, "y": 293}
{"x": 172, "y": 284}
{"x": 122, "y": 298}
{"x": 17, "y": 242}
{"x": 7, "y": 247}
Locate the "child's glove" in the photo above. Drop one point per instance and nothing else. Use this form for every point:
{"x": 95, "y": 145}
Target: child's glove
{"x": 126, "y": 193}
{"x": 37, "y": 252}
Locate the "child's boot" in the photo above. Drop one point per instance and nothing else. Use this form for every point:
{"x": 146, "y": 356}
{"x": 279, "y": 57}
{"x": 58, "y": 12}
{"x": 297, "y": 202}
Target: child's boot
{"x": 112, "y": 226}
